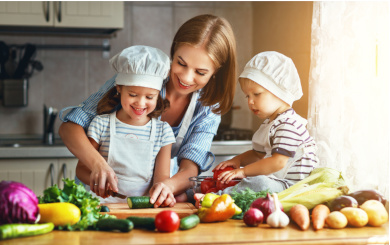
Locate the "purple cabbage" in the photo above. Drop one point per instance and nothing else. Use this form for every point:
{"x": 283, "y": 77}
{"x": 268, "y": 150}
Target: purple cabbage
{"x": 18, "y": 204}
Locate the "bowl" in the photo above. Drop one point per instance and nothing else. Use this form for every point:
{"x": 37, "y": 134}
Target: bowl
{"x": 205, "y": 184}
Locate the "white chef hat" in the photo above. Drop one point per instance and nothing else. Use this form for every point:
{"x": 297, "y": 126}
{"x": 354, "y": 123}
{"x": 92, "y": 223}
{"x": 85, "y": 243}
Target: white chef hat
{"x": 141, "y": 66}
{"x": 276, "y": 73}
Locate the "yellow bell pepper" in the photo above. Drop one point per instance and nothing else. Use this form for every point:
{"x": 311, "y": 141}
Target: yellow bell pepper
{"x": 223, "y": 208}
{"x": 209, "y": 198}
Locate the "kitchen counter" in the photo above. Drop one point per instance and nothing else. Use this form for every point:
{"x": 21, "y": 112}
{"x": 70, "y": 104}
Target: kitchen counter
{"x": 34, "y": 148}
{"x": 229, "y": 232}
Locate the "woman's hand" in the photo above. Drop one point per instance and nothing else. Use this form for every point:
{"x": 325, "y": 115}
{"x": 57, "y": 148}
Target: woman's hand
{"x": 161, "y": 195}
{"x": 227, "y": 176}
{"x": 101, "y": 178}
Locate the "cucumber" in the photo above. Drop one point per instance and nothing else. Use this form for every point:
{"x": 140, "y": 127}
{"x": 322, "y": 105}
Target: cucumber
{"x": 189, "y": 222}
{"x": 143, "y": 222}
{"x": 110, "y": 224}
{"x": 104, "y": 209}
{"x": 139, "y": 202}
{"x": 21, "y": 230}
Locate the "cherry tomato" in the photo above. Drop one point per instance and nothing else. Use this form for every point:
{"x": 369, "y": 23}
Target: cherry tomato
{"x": 167, "y": 221}
{"x": 214, "y": 189}
{"x": 221, "y": 186}
{"x": 207, "y": 184}
{"x": 219, "y": 171}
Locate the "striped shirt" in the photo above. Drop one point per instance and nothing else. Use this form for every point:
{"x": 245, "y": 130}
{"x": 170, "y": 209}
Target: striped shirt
{"x": 99, "y": 130}
{"x": 288, "y": 136}
{"x": 196, "y": 143}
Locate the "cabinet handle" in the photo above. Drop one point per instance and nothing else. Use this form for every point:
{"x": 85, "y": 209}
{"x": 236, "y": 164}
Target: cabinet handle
{"x": 64, "y": 170}
{"x": 47, "y": 11}
{"x": 59, "y": 18}
{"x": 51, "y": 168}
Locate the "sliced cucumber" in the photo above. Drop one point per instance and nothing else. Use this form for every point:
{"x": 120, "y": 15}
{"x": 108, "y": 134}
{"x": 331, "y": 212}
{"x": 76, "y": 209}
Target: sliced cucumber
{"x": 189, "y": 222}
{"x": 110, "y": 224}
{"x": 143, "y": 222}
{"x": 139, "y": 202}
{"x": 104, "y": 209}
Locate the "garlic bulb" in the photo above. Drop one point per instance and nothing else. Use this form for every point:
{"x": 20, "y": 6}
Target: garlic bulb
{"x": 278, "y": 218}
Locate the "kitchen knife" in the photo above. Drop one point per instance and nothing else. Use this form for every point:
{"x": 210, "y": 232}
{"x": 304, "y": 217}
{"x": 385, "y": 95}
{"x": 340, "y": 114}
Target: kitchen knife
{"x": 116, "y": 194}
{"x": 23, "y": 63}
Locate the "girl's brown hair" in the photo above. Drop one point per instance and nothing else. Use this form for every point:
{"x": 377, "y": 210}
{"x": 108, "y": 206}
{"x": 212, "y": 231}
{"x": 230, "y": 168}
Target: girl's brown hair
{"x": 112, "y": 99}
{"x": 216, "y": 35}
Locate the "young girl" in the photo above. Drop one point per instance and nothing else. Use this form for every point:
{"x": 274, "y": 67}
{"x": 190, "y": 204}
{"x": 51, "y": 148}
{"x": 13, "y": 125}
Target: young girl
{"x": 134, "y": 143}
{"x": 283, "y": 151}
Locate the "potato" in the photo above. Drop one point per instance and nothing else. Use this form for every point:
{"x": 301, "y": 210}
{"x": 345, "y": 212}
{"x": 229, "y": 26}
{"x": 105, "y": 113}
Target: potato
{"x": 336, "y": 220}
{"x": 356, "y": 217}
{"x": 377, "y": 213}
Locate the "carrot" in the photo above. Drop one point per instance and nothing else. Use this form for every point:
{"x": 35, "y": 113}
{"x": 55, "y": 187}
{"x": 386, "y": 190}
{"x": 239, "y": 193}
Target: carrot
{"x": 318, "y": 215}
{"x": 300, "y": 215}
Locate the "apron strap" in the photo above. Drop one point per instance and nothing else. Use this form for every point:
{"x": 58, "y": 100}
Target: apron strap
{"x": 112, "y": 123}
{"x": 185, "y": 124}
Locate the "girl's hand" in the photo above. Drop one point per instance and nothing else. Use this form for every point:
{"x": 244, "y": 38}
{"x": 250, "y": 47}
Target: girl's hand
{"x": 162, "y": 195}
{"x": 227, "y": 176}
{"x": 228, "y": 163}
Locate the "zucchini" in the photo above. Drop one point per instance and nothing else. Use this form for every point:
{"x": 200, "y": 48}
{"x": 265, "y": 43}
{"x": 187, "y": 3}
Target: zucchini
{"x": 189, "y": 222}
{"x": 143, "y": 222}
{"x": 110, "y": 224}
{"x": 104, "y": 209}
{"x": 139, "y": 202}
{"x": 21, "y": 230}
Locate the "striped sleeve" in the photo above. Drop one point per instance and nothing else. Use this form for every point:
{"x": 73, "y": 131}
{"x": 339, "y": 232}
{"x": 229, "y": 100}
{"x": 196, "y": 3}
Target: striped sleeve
{"x": 197, "y": 143}
{"x": 86, "y": 111}
{"x": 168, "y": 137}
{"x": 97, "y": 127}
{"x": 287, "y": 137}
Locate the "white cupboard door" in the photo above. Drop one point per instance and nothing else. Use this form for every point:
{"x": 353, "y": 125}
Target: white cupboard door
{"x": 88, "y": 14}
{"x": 36, "y": 174}
{"x": 26, "y": 13}
{"x": 66, "y": 170}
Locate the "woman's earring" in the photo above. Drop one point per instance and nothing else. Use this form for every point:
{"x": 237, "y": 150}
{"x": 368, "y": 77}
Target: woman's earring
{"x": 213, "y": 76}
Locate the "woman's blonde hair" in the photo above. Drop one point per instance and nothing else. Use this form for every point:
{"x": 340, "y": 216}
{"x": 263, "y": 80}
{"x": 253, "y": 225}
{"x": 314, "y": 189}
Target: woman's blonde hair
{"x": 112, "y": 99}
{"x": 216, "y": 35}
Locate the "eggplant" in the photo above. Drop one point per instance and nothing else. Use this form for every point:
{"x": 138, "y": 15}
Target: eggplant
{"x": 342, "y": 202}
{"x": 364, "y": 195}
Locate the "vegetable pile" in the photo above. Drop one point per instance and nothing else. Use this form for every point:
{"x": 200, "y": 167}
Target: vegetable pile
{"x": 77, "y": 195}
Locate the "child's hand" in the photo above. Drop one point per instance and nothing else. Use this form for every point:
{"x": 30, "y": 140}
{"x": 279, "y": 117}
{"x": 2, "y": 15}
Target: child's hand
{"x": 227, "y": 176}
{"x": 227, "y": 163}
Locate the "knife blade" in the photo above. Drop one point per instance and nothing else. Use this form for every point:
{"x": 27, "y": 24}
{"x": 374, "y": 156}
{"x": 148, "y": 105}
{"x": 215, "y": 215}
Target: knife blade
{"x": 116, "y": 194}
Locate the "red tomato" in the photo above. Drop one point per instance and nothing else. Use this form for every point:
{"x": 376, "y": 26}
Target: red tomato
{"x": 221, "y": 186}
{"x": 214, "y": 189}
{"x": 217, "y": 172}
{"x": 167, "y": 221}
{"x": 206, "y": 184}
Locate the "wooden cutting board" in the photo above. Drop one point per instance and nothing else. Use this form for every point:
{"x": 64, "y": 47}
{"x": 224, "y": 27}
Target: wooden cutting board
{"x": 122, "y": 210}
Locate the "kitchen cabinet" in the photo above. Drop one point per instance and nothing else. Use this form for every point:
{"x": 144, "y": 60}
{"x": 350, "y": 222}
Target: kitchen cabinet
{"x": 38, "y": 174}
{"x": 69, "y": 14}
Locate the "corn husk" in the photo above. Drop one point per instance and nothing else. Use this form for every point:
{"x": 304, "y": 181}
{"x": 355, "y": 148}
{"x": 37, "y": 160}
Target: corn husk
{"x": 322, "y": 185}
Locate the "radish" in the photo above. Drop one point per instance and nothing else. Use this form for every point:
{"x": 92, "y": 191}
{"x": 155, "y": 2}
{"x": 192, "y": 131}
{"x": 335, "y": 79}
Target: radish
{"x": 253, "y": 217}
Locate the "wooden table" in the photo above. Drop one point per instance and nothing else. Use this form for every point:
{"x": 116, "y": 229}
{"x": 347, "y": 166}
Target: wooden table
{"x": 228, "y": 232}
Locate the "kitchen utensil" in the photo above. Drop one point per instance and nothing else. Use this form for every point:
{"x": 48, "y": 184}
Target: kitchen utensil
{"x": 122, "y": 210}
{"x": 15, "y": 92}
{"x": 29, "y": 51}
{"x": 49, "y": 116}
{"x": 116, "y": 194}
{"x": 4, "y": 54}
{"x": 11, "y": 64}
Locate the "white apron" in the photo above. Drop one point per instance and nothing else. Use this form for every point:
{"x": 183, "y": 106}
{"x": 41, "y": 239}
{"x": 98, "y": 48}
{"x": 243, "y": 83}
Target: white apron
{"x": 182, "y": 131}
{"x": 132, "y": 161}
{"x": 261, "y": 142}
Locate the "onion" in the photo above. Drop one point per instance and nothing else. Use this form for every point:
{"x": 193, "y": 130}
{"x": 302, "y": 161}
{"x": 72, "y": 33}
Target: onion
{"x": 19, "y": 204}
{"x": 253, "y": 217}
{"x": 265, "y": 205}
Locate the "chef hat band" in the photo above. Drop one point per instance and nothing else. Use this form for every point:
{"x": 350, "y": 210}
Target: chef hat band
{"x": 276, "y": 73}
{"x": 141, "y": 66}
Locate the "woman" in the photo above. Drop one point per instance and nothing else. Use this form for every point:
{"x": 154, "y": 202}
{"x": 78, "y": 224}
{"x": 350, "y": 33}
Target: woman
{"x": 200, "y": 88}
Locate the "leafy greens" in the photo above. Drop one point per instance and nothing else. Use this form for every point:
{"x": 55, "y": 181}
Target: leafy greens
{"x": 76, "y": 194}
{"x": 244, "y": 199}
